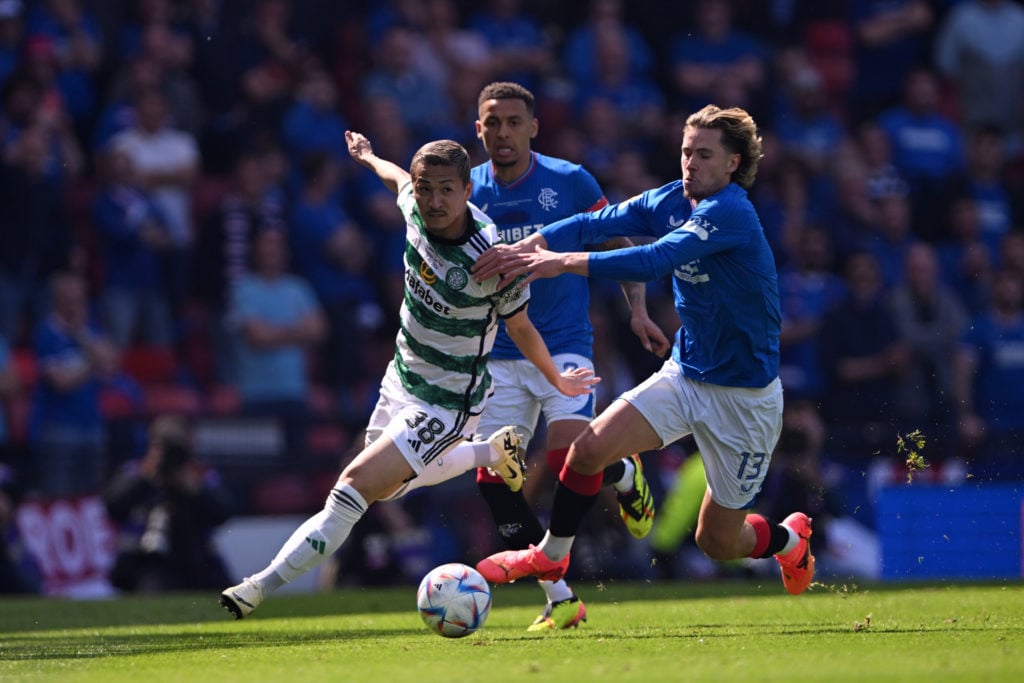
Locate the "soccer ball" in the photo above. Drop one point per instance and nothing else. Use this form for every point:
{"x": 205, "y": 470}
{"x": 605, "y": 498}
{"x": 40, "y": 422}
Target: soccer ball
{"x": 453, "y": 600}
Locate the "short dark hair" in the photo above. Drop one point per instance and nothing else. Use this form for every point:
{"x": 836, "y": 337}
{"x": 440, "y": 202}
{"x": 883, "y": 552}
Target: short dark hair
{"x": 505, "y": 90}
{"x": 739, "y": 136}
{"x": 443, "y": 153}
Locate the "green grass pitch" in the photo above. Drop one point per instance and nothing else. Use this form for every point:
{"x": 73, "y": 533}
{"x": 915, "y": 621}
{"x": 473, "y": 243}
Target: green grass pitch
{"x": 636, "y": 632}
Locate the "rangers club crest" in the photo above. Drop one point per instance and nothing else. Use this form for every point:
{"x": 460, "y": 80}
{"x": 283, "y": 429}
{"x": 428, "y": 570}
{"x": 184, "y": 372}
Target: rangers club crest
{"x": 547, "y": 198}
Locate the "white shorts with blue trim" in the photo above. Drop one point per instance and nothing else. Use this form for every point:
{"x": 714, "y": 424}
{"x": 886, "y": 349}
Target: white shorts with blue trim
{"x": 521, "y": 394}
{"x": 736, "y": 429}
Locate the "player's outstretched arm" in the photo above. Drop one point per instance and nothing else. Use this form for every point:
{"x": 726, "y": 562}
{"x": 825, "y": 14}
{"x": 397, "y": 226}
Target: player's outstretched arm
{"x": 360, "y": 149}
{"x": 510, "y": 261}
{"x": 571, "y": 382}
{"x": 491, "y": 261}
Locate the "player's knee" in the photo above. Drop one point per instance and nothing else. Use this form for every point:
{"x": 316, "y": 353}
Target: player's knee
{"x": 586, "y": 455}
{"x": 716, "y": 545}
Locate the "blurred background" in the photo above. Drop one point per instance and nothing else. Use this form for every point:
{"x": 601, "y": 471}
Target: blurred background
{"x": 167, "y": 167}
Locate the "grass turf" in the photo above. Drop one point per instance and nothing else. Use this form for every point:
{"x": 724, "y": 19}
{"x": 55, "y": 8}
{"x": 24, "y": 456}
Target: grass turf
{"x": 636, "y": 632}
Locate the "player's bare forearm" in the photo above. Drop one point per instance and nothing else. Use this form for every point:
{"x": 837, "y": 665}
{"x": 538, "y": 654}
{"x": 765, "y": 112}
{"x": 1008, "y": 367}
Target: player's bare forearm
{"x": 528, "y": 340}
{"x": 647, "y": 331}
{"x": 359, "y": 148}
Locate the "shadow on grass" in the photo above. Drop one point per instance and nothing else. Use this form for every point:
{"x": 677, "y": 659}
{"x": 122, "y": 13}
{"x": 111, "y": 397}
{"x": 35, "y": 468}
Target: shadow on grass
{"x": 100, "y": 646}
{"x": 92, "y": 646}
{"x": 26, "y": 615}
{"x": 22, "y": 614}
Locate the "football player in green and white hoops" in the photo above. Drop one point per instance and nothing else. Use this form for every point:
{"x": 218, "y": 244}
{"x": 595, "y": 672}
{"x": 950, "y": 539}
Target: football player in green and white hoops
{"x": 435, "y": 387}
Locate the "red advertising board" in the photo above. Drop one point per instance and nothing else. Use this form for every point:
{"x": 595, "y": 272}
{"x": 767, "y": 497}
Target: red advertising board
{"x": 71, "y": 541}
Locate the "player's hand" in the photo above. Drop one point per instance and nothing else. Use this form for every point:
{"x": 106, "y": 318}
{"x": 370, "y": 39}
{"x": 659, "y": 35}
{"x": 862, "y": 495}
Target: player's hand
{"x": 650, "y": 335}
{"x": 358, "y": 145}
{"x": 535, "y": 264}
{"x": 577, "y": 381}
{"x": 495, "y": 260}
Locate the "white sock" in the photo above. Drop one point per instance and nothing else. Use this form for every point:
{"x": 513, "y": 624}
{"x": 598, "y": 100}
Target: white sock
{"x": 317, "y": 538}
{"x": 791, "y": 543}
{"x": 556, "y": 547}
{"x": 466, "y": 456}
{"x": 625, "y": 484}
{"x": 556, "y": 590}
{"x": 269, "y": 579}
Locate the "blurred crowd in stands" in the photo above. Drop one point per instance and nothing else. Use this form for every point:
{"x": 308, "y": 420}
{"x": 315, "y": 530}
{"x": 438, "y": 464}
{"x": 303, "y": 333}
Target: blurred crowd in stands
{"x": 182, "y": 231}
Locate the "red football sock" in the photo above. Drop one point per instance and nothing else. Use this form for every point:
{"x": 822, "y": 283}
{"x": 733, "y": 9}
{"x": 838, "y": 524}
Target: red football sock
{"x": 763, "y": 531}
{"x": 584, "y": 484}
{"x": 556, "y": 460}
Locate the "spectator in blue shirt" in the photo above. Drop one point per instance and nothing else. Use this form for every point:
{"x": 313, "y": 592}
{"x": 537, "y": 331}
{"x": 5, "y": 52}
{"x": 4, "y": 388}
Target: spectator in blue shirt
{"x": 314, "y": 123}
{"x": 132, "y": 234}
{"x": 989, "y": 377}
{"x": 279, "y": 322}
{"x": 714, "y": 54}
{"x": 927, "y": 146}
{"x": 520, "y": 51}
{"x": 72, "y": 38}
{"x": 75, "y": 357}
{"x": 808, "y": 289}
{"x": 986, "y": 179}
{"x": 890, "y": 39}
{"x": 425, "y": 107}
{"x": 332, "y": 253}
{"x": 578, "y": 55}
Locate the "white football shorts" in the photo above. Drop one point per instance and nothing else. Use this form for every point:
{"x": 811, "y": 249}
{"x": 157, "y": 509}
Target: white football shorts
{"x": 421, "y": 431}
{"x": 736, "y": 429}
{"x": 521, "y": 394}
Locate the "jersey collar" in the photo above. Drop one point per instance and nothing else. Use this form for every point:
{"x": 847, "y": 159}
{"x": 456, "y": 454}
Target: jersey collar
{"x": 522, "y": 178}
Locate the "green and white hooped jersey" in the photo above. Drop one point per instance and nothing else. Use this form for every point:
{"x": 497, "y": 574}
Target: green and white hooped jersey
{"x": 448, "y": 320}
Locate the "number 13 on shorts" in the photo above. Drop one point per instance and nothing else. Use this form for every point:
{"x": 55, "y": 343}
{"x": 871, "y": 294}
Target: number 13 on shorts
{"x": 750, "y": 470}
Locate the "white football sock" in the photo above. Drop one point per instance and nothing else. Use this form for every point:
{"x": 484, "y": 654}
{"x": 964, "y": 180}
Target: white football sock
{"x": 625, "y": 484}
{"x": 317, "y": 538}
{"x": 556, "y": 590}
{"x": 793, "y": 540}
{"x": 556, "y": 547}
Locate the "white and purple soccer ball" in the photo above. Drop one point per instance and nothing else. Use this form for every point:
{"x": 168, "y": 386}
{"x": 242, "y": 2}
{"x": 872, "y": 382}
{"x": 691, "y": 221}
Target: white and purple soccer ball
{"x": 453, "y": 600}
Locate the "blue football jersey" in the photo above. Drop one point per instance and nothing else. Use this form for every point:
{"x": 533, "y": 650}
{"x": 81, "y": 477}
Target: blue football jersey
{"x": 550, "y": 190}
{"x": 723, "y": 275}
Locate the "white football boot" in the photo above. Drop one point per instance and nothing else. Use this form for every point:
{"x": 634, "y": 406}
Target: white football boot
{"x": 242, "y": 599}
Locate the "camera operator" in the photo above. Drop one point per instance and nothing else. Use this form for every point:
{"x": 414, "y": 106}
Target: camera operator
{"x": 166, "y": 506}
